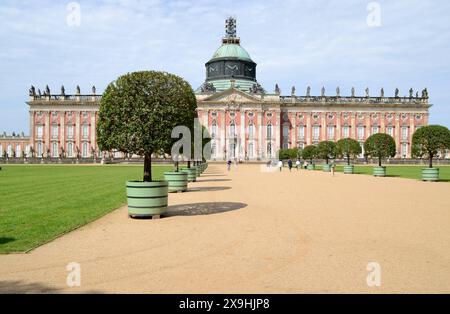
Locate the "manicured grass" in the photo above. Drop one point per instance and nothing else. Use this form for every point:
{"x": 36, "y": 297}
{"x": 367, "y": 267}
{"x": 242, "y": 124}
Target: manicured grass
{"x": 39, "y": 203}
{"x": 410, "y": 172}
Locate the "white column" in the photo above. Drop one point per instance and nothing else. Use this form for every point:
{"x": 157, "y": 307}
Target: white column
{"x": 294, "y": 131}
{"x": 260, "y": 135}
{"x": 277, "y": 129}
{"x": 47, "y": 133}
{"x": 223, "y": 140}
{"x": 242, "y": 147}
{"x": 338, "y": 125}
{"x": 62, "y": 126}
{"x": 93, "y": 132}
{"x": 32, "y": 127}
{"x": 78, "y": 132}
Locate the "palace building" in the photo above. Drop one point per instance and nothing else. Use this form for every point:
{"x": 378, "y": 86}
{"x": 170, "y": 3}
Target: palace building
{"x": 245, "y": 121}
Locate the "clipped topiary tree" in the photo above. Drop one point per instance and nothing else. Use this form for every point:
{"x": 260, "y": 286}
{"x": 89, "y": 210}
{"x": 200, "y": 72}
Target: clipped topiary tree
{"x": 310, "y": 153}
{"x": 326, "y": 150}
{"x": 137, "y": 114}
{"x": 348, "y": 148}
{"x": 380, "y": 146}
{"x": 428, "y": 142}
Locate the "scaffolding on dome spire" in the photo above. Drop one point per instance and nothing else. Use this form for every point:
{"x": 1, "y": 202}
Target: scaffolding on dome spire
{"x": 230, "y": 32}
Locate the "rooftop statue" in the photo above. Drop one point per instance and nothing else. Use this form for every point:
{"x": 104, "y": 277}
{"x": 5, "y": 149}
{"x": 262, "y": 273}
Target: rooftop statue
{"x": 63, "y": 91}
{"x": 39, "y": 92}
{"x": 207, "y": 88}
{"x": 382, "y": 93}
{"x": 425, "y": 93}
{"x": 78, "y": 90}
{"x": 322, "y": 93}
{"x": 353, "y": 92}
{"x": 293, "y": 91}
{"x": 277, "y": 89}
{"x": 411, "y": 93}
{"x": 257, "y": 89}
{"x": 94, "y": 90}
{"x": 47, "y": 90}
{"x": 338, "y": 92}
{"x": 396, "y": 92}
{"x": 417, "y": 94}
{"x": 32, "y": 91}
{"x": 367, "y": 92}
{"x": 230, "y": 27}
{"x": 308, "y": 91}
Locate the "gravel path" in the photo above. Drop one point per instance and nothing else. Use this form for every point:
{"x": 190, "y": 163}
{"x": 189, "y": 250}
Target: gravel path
{"x": 252, "y": 231}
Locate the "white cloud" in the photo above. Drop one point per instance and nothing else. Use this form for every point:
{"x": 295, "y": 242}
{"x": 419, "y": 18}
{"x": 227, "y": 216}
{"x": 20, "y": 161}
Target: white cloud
{"x": 313, "y": 42}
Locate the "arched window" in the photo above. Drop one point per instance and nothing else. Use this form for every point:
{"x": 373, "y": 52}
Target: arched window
{"x": 269, "y": 131}
{"x": 232, "y": 130}
{"x": 69, "y": 150}
{"x": 84, "y": 151}
{"x": 214, "y": 130}
{"x": 54, "y": 149}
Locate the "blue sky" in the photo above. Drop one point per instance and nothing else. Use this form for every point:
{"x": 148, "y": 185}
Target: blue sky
{"x": 311, "y": 42}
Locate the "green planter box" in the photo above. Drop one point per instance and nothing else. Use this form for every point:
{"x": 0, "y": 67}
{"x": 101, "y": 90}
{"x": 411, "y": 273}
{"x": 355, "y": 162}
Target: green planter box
{"x": 192, "y": 173}
{"x": 197, "y": 168}
{"x": 430, "y": 174}
{"x": 147, "y": 199}
{"x": 326, "y": 168}
{"x": 311, "y": 167}
{"x": 178, "y": 181}
{"x": 379, "y": 171}
{"x": 349, "y": 169}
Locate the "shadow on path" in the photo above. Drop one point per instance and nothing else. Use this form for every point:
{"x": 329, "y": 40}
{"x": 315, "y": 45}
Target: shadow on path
{"x": 214, "y": 180}
{"x": 198, "y": 209}
{"x": 209, "y": 189}
{"x": 20, "y": 287}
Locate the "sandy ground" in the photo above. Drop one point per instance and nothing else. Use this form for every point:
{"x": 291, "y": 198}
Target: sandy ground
{"x": 248, "y": 231}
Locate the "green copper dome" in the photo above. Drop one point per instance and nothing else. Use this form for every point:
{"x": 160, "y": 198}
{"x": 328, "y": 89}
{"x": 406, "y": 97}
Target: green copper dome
{"x": 232, "y": 51}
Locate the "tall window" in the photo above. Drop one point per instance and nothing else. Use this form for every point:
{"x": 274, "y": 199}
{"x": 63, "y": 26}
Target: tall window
{"x": 54, "y": 149}
{"x": 39, "y": 149}
{"x": 361, "y": 132}
{"x": 250, "y": 131}
{"x": 269, "y": 131}
{"x": 390, "y": 130}
{"x": 316, "y": 130}
{"x": 269, "y": 150}
{"x": 250, "y": 150}
{"x": 1, "y": 150}
{"x": 404, "y": 133}
{"x": 232, "y": 130}
{"x": 40, "y": 131}
{"x": 346, "y": 131}
{"x": 404, "y": 150}
{"x": 85, "y": 131}
{"x": 375, "y": 130}
{"x": 330, "y": 132}
{"x": 18, "y": 151}
{"x": 69, "y": 150}
{"x": 301, "y": 132}
{"x": 84, "y": 150}
{"x": 55, "y": 131}
{"x": 232, "y": 150}
{"x": 27, "y": 151}
{"x": 70, "y": 131}
{"x": 285, "y": 131}
{"x": 10, "y": 151}
{"x": 214, "y": 130}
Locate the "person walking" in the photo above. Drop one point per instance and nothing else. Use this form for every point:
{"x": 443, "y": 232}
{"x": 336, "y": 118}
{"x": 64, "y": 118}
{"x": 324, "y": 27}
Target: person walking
{"x": 229, "y": 165}
{"x": 280, "y": 165}
{"x": 333, "y": 166}
{"x": 290, "y": 165}
{"x": 297, "y": 164}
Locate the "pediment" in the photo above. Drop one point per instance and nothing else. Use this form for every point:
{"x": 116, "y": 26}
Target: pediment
{"x": 233, "y": 95}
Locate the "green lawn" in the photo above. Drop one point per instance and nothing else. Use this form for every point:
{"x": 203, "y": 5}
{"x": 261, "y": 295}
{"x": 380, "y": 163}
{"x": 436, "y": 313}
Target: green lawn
{"x": 39, "y": 203}
{"x": 410, "y": 172}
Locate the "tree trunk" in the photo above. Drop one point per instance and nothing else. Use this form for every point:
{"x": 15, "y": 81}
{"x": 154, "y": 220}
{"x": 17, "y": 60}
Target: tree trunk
{"x": 189, "y": 164}
{"x": 431, "y": 160}
{"x": 177, "y": 166}
{"x": 379, "y": 161}
{"x": 348, "y": 159}
{"x": 148, "y": 168}
{"x": 326, "y": 159}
